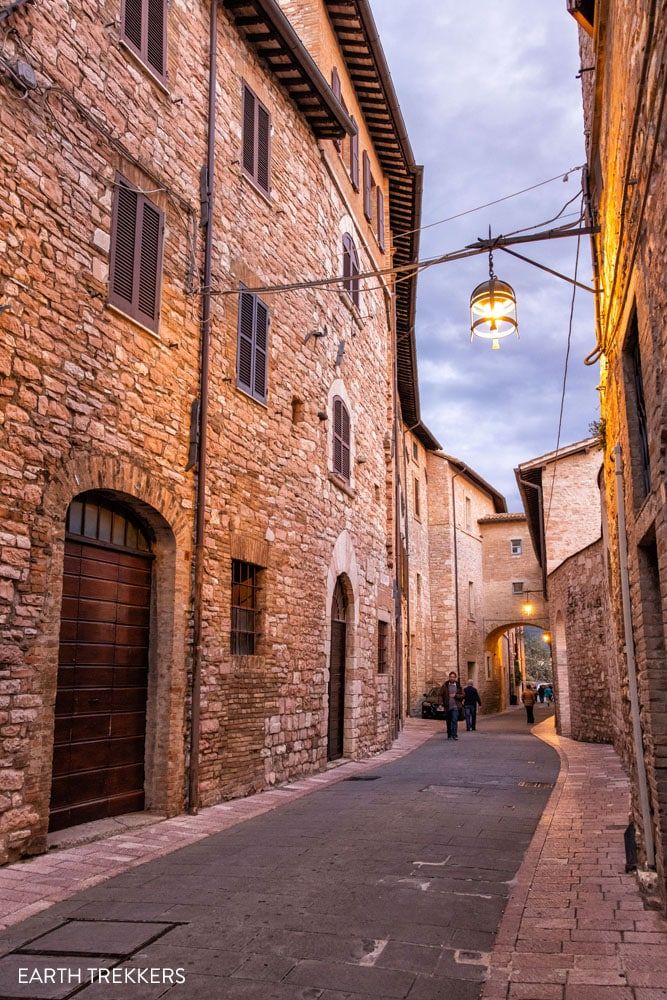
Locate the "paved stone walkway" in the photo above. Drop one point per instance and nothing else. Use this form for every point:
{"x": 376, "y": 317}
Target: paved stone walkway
{"x": 388, "y": 885}
{"x": 36, "y": 884}
{"x": 575, "y": 927}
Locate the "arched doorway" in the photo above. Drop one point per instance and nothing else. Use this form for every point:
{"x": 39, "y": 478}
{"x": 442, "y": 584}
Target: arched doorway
{"x": 337, "y": 672}
{"x": 100, "y": 713}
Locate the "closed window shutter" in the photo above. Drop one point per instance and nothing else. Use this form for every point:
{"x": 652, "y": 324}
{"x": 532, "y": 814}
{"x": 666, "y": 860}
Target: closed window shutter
{"x": 249, "y": 144}
{"x": 354, "y": 274}
{"x": 261, "y": 342}
{"x": 345, "y": 442}
{"x": 347, "y": 264}
{"x": 123, "y": 248}
{"x": 380, "y": 219}
{"x": 156, "y": 35}
{"x": 338, "y": 437}
{"x": 337, "y": 92}
{"x": 131, "y": 22}
{"x": 150, "y": 264}
{"x": 368, "y": 184}
{"x": 246, "y": 327}
{"x": 354, "y": 159}
{"x": 263, "y": 146}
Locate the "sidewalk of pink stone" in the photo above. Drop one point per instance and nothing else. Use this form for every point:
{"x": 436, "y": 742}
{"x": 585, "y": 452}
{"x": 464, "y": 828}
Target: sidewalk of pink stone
{"x": 33, "y": 885}
{"x": 575, "y": 927}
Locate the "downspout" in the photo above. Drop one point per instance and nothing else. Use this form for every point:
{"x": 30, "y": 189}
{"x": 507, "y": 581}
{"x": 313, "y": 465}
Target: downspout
{"x": 628, "y": 636}
{"x": 398, "y": 609}
{"x": 200, "y": 511}
{"x": 456, "y": 576}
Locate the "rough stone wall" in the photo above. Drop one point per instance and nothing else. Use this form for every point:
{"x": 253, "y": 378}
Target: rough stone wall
{"x": 572, "y": 504}
{"x": 502, "y": 569}
{"x": 91, "y": 400}
{"x": 441, "y": 568}
{"x": 584, "y": 647}
{"x": 420, "y": 669}
{"x": 626, "y": 135}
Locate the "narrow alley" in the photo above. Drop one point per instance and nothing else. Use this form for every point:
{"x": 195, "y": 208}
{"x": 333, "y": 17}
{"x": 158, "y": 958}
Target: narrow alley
{"x": 391, "y": 880}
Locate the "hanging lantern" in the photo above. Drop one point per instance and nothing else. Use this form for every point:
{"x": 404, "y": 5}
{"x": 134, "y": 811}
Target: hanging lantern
{"x": 493, "y": 310}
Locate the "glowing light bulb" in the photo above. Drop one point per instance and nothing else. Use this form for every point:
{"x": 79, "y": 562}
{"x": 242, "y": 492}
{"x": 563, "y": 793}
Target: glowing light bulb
{"x": 495, "y": 346}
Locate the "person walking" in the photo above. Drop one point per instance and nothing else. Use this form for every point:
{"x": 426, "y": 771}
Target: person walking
{"x": 528, "y": 698}
{"x": 471, "y": 700}
{"x": 549, "y": 694}
{"x": 452, "y": 699}
{"x": 541, "y": 688}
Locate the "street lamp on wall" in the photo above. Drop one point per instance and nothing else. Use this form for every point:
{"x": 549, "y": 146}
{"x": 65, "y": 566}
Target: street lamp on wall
{"x": 493, "y": 309}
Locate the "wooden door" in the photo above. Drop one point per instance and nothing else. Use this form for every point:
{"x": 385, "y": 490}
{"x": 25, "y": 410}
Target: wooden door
{"x": 337, "y": 675}
{"x": 100, "y": 714}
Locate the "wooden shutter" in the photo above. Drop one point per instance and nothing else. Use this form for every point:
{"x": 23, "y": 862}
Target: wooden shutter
{"x": 354, "y": 159}
{"x": 368, "y": 187}
{"x": 261, "y": 344}
{"x": 380, "y": 217}
{"x": 144, "y": 28}
{"x": 263, "y": 146}
{"x": 135, "y": 271}
{"x": 156, "y": 35}
{"x": 150, "y": 264}
{"x": 354, "y": 273}
{"x": 245, "y": 335}
{"x": 131, "y": 22}
{"x": 341, "y": 438}
{"x": 123, "y": 247}
{"x": 249, "y": 104}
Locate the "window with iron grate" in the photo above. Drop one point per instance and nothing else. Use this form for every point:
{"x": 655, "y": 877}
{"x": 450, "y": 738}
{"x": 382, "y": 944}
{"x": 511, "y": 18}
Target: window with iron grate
{"x": 245, "y": 608}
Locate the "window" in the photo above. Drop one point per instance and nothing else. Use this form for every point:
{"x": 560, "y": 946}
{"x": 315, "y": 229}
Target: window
{"x": 379, "y": 197}
{"x": 245, "y": 614}
{"x": 636, "y": 411}
{"x": 354, "y": 158}
{"x": 341, "y": 438}
{"x": 351, "y": 269}
{"x": 516, "y": 546}
{"x": 337, "y": 92}
{"x": 472, "y": 671}
{"x": 383, "y": 647}
{"x": 135, "y": 271}
{"x": 256, "y": 140}
{"x": 488, "y": 667}
{"x": 517, "y": 586}
{"x": 417, "y": 506}
{"x": 368, "y": 188}
{"x": 144, "y": 31}
{"x": 415, "y": 451}
{"x": 252, "y": 354}
{"x": 471, "y": 599}
{"x": 468, "y": 514}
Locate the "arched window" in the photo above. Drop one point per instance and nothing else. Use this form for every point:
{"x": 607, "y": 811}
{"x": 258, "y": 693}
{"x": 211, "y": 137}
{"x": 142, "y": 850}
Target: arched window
{"x": 341, "y": 438}
{"x": 351, "y": 269}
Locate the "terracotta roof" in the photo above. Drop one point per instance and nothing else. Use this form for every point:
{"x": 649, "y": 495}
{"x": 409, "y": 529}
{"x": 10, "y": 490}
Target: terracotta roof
{"x": 499, "y": 501}
{"x": 493, "y": 518}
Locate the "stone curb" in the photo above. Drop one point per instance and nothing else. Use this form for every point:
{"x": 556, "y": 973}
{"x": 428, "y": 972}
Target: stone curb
{"x": 31, "y": 886}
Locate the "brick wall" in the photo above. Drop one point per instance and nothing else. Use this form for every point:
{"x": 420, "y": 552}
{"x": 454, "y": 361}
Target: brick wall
{"x": 90, "y": 400}
{"x": 582, "y": 647}
{"x": 420, "y": 665}
{"x": 625, "y": 145}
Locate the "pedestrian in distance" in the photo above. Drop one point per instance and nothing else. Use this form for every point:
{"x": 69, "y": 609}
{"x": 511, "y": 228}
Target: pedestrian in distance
{"x": 549, "y": 694}
{"x": 528, "y": 698}
{"x": 452, "y": 699}
{"x": 541, "y": 688}
{"x": 471, "y": 700}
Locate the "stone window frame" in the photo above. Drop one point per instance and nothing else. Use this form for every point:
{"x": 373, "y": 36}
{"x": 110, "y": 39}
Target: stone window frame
{"x": 517, "y": 588}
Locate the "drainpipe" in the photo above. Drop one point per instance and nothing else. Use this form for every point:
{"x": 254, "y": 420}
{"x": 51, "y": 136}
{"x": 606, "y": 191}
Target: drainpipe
{"x": 398, "y": 609}
{"x": 628, "y": 636}
{"x": 456, "y": 577}
{"x": 200, "y": 511}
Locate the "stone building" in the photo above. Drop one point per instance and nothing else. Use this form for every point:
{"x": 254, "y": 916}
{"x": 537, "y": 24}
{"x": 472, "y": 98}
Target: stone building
{"x": 622, "y": 50}
{"x": 168, "y": 416}
{"x": 561, "y": 495}
{"x": 513, "y": 598}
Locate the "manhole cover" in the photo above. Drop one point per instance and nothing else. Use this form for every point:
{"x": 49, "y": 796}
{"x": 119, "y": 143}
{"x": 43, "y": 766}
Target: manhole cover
{"x": 113, "y": 938}
{"x": 363, "y": 777}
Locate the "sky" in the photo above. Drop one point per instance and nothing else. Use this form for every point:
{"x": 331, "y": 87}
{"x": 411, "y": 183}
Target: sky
{"x": 490, "y": 97}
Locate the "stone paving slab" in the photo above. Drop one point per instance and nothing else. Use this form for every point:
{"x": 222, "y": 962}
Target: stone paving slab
{"x": 45, "y": 977}
{"x": 575, "y": 927}
{"x": 32, "y": 886}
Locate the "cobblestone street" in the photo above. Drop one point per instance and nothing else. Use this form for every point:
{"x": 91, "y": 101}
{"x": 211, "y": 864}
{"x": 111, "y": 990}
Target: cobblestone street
{"x": 387, "y": 878}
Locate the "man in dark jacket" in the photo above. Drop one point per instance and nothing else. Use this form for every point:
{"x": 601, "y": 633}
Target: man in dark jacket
{"x": 471, "y": 700}
{"x": 452, "y": 699}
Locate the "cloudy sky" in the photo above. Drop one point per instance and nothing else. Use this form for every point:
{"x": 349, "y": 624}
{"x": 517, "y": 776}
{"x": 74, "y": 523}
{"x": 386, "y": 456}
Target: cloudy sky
{"x": 489, "y": 94}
